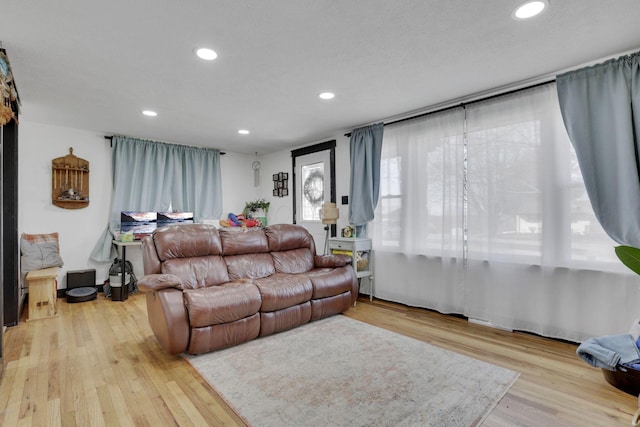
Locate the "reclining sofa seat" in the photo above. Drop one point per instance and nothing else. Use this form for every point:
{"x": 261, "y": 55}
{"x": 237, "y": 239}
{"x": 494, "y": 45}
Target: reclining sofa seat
{"x": 208, "y": 289}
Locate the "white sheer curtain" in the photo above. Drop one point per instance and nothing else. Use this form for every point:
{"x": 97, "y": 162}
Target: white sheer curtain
{"x": 537, "y": 259}
{"x": 417, "y": 230}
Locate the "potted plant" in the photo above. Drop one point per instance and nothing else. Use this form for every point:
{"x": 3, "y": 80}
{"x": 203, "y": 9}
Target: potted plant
{"x": 251, "y": 208}
{"x": 630, "y": 257}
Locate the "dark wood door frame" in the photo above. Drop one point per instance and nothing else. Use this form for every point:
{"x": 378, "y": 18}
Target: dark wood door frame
{"x": 329, "y": 145}
{"x": 10, "y": 245}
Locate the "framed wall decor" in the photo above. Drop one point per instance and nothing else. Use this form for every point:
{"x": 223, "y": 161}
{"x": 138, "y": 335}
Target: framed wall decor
{"x": 70, "y": 182}
{"x": 280, "y": 184}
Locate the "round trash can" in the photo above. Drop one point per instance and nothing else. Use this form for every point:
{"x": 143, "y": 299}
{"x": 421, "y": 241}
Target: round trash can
{"x": 119, "y": 292}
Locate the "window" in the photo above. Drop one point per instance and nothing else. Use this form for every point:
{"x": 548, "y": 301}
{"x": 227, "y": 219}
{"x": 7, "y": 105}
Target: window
{"x": 312, "y": 191}
{"x": 498, "y": 178}
{"x": 420, "y": 205}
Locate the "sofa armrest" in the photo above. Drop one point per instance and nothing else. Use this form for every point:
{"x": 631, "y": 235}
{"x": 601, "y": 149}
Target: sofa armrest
{"x": 156, "y": 282}
{"x": 169, "y": 320}
{"x": 331, "y": 261}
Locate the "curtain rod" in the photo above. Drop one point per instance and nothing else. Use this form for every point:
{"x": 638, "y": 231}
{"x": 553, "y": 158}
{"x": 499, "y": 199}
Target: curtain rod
{"x": 464, "y": 104}
{"x": 528, "y": 84}
{"x": 110, "y": 138}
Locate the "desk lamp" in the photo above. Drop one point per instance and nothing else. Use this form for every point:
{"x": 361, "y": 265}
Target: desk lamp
{"x": 329, "y": 214}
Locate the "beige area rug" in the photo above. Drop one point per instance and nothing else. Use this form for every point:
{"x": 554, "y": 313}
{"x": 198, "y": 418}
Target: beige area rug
{"x": 343, "y": 372}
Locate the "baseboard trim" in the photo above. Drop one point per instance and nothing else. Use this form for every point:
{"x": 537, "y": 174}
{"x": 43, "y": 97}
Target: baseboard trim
{"x": 488, "y": 324}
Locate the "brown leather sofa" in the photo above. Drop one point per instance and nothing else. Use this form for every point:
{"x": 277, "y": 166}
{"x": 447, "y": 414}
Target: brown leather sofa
{"x": 208, "y": 289}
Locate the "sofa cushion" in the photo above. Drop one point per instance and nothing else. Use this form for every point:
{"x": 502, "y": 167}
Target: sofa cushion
{"x": 329, "y": 282}
{"x": 221, "y": 304}
{"x": 198, "y": 272}
{"x": 282, "y": 320}
{"x": 214, "y": 337}
{"x": 280, "y": 291}
{"x": 249, "y": 266}
{"x": 186, "y": 241}
{"x": 284, "y": 237}
{"x": 237, "y": 241}
{"x": 325, "y": 307}
{"x": 294, "y": 261}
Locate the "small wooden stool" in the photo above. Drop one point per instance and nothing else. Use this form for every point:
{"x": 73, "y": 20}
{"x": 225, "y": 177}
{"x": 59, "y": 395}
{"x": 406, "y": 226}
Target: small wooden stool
{"x": 43, "y": 288}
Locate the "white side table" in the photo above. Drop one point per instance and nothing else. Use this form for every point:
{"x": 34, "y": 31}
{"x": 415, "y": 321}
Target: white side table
{"x": 353, "y": 246}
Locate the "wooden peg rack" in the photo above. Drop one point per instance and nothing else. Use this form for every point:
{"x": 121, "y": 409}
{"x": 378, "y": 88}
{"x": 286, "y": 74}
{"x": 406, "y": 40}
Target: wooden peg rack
{"x": 70, "y": 181}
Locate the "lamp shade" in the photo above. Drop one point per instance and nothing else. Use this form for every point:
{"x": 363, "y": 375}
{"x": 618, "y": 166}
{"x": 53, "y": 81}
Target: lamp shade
{"x": 329, "y": 213}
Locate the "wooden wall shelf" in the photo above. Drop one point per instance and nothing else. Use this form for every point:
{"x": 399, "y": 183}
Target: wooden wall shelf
{"x": 70, "y": 182}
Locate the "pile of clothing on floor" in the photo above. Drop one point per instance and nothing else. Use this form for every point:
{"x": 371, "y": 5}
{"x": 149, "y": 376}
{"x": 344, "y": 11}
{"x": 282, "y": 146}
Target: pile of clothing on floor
{"x": 611, "y": 351}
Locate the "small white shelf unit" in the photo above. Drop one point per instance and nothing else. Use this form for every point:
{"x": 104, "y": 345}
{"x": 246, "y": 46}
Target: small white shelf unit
{"x": 361, "y": 254}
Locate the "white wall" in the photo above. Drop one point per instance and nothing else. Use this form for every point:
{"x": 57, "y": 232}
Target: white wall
{"x": 343, "y": 172}
{"x": 237, "y": 182}
{"x": 280, "y": 208}
{"x": 80, "y": 229}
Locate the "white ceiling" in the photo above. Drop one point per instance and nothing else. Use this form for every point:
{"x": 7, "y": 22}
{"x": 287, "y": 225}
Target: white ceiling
{"x": 95, "y": 65}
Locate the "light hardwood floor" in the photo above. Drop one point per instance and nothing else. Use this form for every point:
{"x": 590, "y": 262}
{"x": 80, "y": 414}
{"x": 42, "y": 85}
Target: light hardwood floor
{"x": 98, "y": 364}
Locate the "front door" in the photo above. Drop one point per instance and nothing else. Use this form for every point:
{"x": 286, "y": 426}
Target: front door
{"x": 313, "y": 181}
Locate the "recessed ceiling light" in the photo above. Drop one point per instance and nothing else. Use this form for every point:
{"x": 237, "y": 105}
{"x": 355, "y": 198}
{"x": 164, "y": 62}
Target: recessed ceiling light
{"x": 327, "y": 95}
{"x": 149, "y": 113}
{"x": 529, "y": 9}
{"x": 243, "y": 132}
{"x": 206, "y": 54}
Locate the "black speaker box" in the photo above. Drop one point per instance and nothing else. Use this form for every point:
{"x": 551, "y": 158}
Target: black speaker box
{"x": 81, "y": 285}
